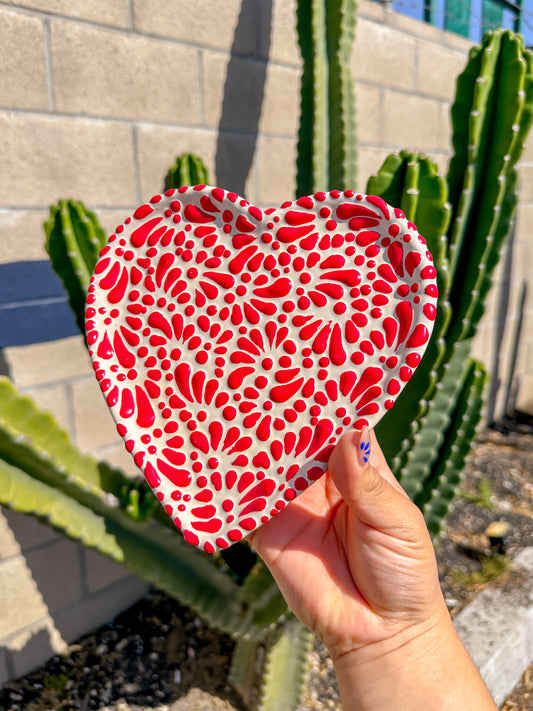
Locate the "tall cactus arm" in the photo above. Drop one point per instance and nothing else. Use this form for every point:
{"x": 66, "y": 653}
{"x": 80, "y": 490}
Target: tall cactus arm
{"x": 413, "y": 181}
{"x": 340, "y": 31}
{"x": 498, "y": 144}
{"x": 286, "y": 668}
{"x": 502, "y": 230}
{"x": 428, "y": 440}
{"x": 439, "y": 490}
{"x": 467, "y": 116}
{"x": 74, "y": 239}
{"x": 245, "y": 669}
{"x": 189, "y": 169}
{"x": 313, "y": 135}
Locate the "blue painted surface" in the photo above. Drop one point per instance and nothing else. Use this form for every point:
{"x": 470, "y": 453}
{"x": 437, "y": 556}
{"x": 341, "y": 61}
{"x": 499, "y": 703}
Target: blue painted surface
{"x": 33, "y": 305}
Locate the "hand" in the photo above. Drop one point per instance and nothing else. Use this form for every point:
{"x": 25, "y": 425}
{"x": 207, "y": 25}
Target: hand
{"x": 355, "y": 562}
{"x": 352, "y": 554}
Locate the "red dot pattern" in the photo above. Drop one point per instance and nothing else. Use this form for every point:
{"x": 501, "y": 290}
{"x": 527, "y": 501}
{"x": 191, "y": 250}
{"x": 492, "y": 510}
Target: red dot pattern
{"x": 234, "y": 346}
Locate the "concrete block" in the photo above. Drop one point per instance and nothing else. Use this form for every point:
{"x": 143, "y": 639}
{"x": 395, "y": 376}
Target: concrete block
{"x": 63, "y": 587}
{"x": 93, "y": 423}
{"x": 62, "y": 157}
{"x": 497, "y": 630}
{"x": 27, "y": 530}
{"x": 114, "y": 13}
{"x": 20, "y": 599}
{"x": 372, "y": 11}
{"x": 369, "y": 161}
{"x": 22, "y": 235}
{"x": 277, "y": 170}
{"x": 437, "y": 70}
{"x": 383, "y": 55}
{"x": 282, "y": 43}
{"x": 523, "y": 258}
{"x": 22, "y": 61}
{"x": 50, "y": 362}
{"x": 150, "y": 79}
{"x": 368, "y": 113}
{"x": 236, "y": 161}
{"x": 31, "y": 647}
{"x": 233, "y": 92}
{"x": 524, "y": 230}
{"x": 525, "y": 184}
{"x": 231, "y": 25}
{"x": 524, "y": 399}
{"x": 117, "y": 456}
{"x": 4, "y": 671}
{"x": 54, "y": 399}
{"x": 101, "y": 572}
{"x": 159, "y": 146}
{"x": 280, "y": 110}
{"x": 110, "y": 219}
{"x": 9, "y": 546}
{"x": 410, "y": 120}
{"x": 97, "y": 609}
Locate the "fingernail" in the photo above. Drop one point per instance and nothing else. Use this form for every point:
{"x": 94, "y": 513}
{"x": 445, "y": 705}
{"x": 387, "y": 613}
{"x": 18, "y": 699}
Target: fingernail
{"x": 363, "y": 449}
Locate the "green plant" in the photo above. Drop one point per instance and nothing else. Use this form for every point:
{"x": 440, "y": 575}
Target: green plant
{"x": 483, "y": 496}
{"x": 188, "y": 169}
{"x": 326, "y": 138}
{"x": 74, "y": 238}
{"x": 466, "y": 220}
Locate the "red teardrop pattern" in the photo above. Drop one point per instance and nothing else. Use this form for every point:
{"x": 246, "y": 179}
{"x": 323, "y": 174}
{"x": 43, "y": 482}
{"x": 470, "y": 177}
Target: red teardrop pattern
{"x": 234, "y": 346}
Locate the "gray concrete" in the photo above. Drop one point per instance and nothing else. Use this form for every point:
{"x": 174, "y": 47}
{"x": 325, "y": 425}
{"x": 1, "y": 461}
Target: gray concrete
{"x": 497, "y": 630}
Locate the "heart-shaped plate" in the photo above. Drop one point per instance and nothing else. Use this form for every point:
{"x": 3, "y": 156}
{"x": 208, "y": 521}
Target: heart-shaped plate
{"x": 234, "y": 345}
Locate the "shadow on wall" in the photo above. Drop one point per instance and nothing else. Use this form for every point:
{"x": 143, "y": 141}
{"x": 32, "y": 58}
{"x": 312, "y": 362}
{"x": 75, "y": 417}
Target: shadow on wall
{"x": 243, "y": 98}
{"x": 33, "y": 305}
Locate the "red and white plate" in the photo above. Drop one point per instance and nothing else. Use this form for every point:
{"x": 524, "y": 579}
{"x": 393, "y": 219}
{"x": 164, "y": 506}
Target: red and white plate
{"x": 235, "y": 345}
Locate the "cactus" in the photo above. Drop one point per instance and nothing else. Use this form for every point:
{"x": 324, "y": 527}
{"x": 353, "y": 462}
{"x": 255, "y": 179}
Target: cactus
{"x": 74, "y": 238}
{"x": 439, "y": 489}
{"x": 44, "y": 474}
{"x": 326, "y": 138}
{"x": 286, "y": 668}
{"x": 496, "y": 90}
{"x": 188, "y": 169}
{"x": 423, "y": 435}
{"x": 412, "y": 181}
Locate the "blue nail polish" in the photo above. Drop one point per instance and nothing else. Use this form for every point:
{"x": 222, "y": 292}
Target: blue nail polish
{"x": 364, "y": 447}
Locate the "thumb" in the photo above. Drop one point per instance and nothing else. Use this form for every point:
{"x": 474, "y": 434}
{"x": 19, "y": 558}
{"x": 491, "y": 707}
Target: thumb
{"x": 374, "y": 496}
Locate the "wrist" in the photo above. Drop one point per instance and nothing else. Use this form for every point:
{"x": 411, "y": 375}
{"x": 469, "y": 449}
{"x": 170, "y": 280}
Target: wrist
{"x": 424, "y": 665}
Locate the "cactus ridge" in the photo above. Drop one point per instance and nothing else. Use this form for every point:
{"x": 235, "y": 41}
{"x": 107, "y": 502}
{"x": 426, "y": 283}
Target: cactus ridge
{"x": 498, "y": 145}
{"x": 340, "y": 33}
{"x": 74, "y": 239}
{"x": 262, "y": 598}
{"x": 439, "y": 490}
{"x": 188, "y": 169}
{"x": 424, "y": 453}
{"x": 286, "y": 668}
{"x": 412, "y": 181}
{"x": 326, "y": 156}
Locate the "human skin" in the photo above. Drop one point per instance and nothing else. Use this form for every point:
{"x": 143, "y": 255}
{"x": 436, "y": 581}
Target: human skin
{"x": 355, "y": 563}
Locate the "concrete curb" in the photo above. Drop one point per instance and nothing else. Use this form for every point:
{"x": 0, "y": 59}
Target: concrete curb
{"x": 497, "y": 630}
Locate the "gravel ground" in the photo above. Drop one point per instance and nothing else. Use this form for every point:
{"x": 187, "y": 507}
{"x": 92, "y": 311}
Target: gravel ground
{"x": 159, "y": 656}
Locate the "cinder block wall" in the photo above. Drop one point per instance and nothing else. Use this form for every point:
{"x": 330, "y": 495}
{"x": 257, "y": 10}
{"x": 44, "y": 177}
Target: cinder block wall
{"x": 96, "y": 100}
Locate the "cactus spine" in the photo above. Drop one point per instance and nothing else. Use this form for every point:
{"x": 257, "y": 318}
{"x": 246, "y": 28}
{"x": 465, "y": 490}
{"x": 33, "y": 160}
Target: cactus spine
{"x": 326, "y": 140}
{"x": 426, "y": 434}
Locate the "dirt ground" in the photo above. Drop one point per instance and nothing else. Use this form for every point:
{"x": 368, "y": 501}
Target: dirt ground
{"x": 159, "y": 656}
